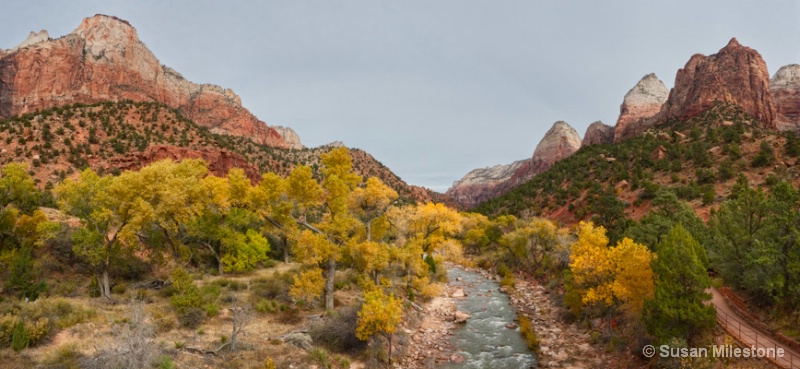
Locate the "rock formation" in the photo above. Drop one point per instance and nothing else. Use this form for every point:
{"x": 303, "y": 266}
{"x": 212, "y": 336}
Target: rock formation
{"x": 479, "y": 185}
{"x": 33, "y": 38}
{"x": 598, "y": 133}
{"x": 785, "y": 87}
{"x": 104, "y": 60}
{"x": 219, "y": 161}
{"x": 736, "y": 74}
{"x": 291, "y": 137}
{"x": 558, "y": 143}
{"x": 641, "y": 103}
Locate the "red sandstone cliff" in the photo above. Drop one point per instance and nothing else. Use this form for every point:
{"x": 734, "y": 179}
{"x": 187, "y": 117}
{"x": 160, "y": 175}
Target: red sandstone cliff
{"x": 736, "y": 74}
{"x": 219, "y": 161}
{"x": 104, "y": 60}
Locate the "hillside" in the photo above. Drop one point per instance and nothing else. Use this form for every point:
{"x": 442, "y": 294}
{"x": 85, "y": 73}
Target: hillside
{"x": 114, "y": 136}
{"x": 699, "y": 159}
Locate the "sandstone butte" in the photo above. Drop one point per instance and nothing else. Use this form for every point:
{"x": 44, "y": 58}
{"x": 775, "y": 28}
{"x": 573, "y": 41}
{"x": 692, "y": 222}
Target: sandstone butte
{"x": 639, "y": 105}
{"x": 482, "y": 184}
{"x": 736, "y": 74}
{"x": 104, "y": 60}
{"x": 598, "y": 133}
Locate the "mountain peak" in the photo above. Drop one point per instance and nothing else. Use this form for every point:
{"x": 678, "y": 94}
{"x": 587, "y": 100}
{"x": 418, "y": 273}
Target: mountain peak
{"x": 598, "y": 133}
{"x": 560, "y": 141}
{"x": 733, "y": 43}
{"x": 104, "y": 34}
{"x": 736, "y": 74}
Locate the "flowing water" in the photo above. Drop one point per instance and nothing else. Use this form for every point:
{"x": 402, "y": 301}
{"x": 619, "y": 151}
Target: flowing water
{"x": 484, "y": 341}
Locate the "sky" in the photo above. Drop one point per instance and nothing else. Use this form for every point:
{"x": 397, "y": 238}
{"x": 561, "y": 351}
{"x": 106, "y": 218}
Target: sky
{"x": 432, "y": 89}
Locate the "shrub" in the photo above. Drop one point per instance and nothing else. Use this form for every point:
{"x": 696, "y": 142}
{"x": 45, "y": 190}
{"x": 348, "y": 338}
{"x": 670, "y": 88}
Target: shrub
{"x": 191, "y": 317}
{"x": 25, "y": 276}
{"x": 274, "y": 287}
{"x": 338, "y": 331}
{"x": 508, "y": 281}
{"x": 165, "y": 362}
{"x": 320, "y": 357}
{"x": 94, "y": 287}
{"x": 65, "y": 357}
{"x": 20, "y": 337}
{"x": 264, "y": 306}
{"x": 528, "y": 333}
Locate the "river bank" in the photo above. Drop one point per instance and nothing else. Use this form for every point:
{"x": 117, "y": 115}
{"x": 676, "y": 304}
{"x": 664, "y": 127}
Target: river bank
{"x": 562, "y": 345}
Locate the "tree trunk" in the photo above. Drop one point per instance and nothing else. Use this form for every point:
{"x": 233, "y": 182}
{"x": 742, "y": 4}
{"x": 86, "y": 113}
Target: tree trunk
{"x": 329, "y": 284}
{"x": 369, "y": 231}
{"x": 285, "y": 250}
{"x": 220, "y": 269}
{"x": 105, "y": 287}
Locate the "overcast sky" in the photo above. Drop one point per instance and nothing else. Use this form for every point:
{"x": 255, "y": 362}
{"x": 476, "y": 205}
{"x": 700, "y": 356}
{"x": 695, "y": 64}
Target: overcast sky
{"x": 433, "y": 89}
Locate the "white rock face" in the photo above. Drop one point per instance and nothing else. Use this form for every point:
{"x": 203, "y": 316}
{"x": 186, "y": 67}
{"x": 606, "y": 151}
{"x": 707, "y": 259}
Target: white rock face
{"x": 489, "y": 175}
{"x": 642, "y": 102}
{"x": 558, "y": 143}
{"x": 335, "y": 144}
{"x": 32, "y": 39}
{"x": 785, "y": 87}
{"x": 786, "y": 77}
{"x": 290, "y": 136}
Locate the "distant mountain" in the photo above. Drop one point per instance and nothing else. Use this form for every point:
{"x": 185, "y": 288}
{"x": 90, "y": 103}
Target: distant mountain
{"x": 560, "y": 141}
{"x": 736, "y": 77}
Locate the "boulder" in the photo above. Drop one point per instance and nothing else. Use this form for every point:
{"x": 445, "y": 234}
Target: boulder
{"x": 460, "y": 317}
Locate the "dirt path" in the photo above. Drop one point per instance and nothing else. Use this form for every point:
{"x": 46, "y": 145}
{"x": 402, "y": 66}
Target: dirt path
{"x": 750, "y": 336}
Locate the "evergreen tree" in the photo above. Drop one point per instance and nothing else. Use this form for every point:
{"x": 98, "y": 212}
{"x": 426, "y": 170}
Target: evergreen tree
{"x": 677, "y": 308}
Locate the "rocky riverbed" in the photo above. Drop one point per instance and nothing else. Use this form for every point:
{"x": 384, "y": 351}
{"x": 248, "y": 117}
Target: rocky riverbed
{"x": 563, "y": 345}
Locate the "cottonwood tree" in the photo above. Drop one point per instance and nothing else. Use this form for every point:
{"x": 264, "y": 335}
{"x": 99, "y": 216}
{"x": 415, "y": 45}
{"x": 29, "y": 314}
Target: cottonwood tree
{"x": 419, "y": 230}
{"x": 228, "y": 226}
{"x": 327, "y": 204}
{"x": 380, "y": 314}
{"x": 171, "y": 196}
{"x": 532, "y": 242}
{"x": 109, "y": 212}
{"x": 606, "y": 278}
{"x": 369, "y": 205}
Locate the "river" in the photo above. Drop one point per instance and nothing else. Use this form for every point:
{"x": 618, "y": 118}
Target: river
{"x": 484, "y": 341}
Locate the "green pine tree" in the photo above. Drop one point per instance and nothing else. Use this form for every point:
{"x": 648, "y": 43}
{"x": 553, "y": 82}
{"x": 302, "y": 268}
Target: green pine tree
{"x": 677, "y": 309}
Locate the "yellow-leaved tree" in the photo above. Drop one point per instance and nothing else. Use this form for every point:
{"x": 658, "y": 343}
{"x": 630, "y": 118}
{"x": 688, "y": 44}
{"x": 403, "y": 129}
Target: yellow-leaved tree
{"x": 380, "y": 314}
{"x": 419, "y": 231}
{"x": 608, "y": 277}
{"x": 109, "y": 218}
{"x": 227, "y": 223}
{"x": 633, "y": 281}
{"x": 591, "y": 265}
{"x": 322, "y": 210}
